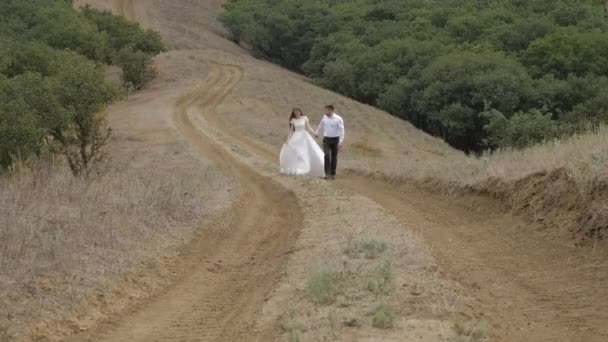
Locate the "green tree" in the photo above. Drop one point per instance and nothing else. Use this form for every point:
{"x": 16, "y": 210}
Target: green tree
{"x": 21, "y": 57}
{"x": 568, "y": 52}
{"x": 20, "y": 133}
{"x": 458, "y": 87}
{"x": 521, "y": 130}
{"x": 83, "y": 92}
{"x": 122, "y": 33}
{"x": 63, "y": 28}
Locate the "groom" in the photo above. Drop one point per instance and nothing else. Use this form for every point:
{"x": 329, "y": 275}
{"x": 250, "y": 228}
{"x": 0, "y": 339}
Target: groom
{"x": 332, "y": 130}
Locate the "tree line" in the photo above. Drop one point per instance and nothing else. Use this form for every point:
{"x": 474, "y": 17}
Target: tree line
{"x": 52, "y": 79}
{"x": 482, "y": 74}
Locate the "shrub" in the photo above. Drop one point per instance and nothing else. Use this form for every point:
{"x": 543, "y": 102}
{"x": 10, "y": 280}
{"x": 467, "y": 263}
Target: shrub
{"x": 521, "y": 130}
{"x": 470, "y": 331}
{"x": 83, "y": 93}
{"x": 383, "y": 317}
{"x": 63, "y": 28}
{"x": 122, "y": 33}
{"x": 380, "y": 280}
{"x": 322, "y": 286}
{"x": 291, "y": 327}
{"x": 20, "y": 134}
{"x": 568, "y": 51}
{"x": 370, "y": 248}
{"x": 137, "y": 67}
{"x": 593, "y": 111}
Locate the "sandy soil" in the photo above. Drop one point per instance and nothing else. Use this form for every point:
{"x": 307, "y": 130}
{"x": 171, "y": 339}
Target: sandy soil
{"x": 239, "y": 277}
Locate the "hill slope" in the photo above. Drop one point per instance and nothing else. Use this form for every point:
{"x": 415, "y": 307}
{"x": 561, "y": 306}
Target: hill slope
{"x": 448, "y": 261}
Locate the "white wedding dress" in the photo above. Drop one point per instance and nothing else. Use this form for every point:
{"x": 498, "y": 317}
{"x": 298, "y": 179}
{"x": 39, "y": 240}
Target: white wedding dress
{"x": 301, "y": 155}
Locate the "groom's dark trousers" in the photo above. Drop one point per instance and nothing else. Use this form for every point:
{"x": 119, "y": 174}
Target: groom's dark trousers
{"x": 330, "y": 148}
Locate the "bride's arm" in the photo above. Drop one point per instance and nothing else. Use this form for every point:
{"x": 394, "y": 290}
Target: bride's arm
{"x": 290, "y": 131}
{"x": 312, "y": 131}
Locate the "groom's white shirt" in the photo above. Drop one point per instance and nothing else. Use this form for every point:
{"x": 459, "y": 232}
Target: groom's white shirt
{"x": 331, "y": 127}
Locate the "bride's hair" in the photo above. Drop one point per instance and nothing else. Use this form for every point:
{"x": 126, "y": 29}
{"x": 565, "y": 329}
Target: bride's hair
{"x": 293, "y": 115}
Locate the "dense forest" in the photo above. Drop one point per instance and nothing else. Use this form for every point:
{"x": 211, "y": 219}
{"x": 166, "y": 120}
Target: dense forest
{"x": 52, "y": 79}
{"x": 482, "y": 74}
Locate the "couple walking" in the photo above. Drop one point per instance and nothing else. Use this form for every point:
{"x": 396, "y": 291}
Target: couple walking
{"x": 301, "y": 155}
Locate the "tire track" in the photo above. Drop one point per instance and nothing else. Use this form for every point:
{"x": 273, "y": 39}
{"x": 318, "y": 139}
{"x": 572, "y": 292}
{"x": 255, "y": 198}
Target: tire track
{"x": 229, "y": 276}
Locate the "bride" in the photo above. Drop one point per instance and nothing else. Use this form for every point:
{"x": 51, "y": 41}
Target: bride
{"x": 301, "y": 155}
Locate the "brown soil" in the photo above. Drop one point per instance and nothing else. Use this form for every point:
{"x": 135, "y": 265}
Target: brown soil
{"x": 527, "y": 286}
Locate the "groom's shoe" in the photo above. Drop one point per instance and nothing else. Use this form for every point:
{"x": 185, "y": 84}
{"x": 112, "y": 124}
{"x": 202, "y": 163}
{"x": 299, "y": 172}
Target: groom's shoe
{"x": 332, "y": 177}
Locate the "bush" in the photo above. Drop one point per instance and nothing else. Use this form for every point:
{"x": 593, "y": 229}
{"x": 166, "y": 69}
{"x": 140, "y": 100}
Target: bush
{"x": 521, "y": 130}
{"x": 322, "y": 286}
{"x": 470, "y": 331}
{"x": 569, "y": 52}
{"x": 20, "y": 134}
{"x": 122, "y": 33}
{"x": 28, "y": 109}
{"x": 63, "y": 28}
{"x": 593, "y": 111}
{"x": 21, "y": 57}
{"x": 370, "y": 248}
{"x": 137, "y": 67}
{"x": 383, "y": 317}
{"x": 83, "y": 93}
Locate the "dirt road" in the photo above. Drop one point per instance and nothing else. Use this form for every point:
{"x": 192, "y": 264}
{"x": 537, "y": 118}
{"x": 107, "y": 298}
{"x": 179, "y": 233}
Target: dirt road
{"x": 229, "y": 276}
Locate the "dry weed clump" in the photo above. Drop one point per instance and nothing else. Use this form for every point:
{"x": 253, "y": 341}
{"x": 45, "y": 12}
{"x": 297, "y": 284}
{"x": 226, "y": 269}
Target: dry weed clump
{"x": 471, "y": 331}
{"x": 383, "y": 317}
{"x": 292, "y": 327}
{"x": 322, "y": 286}
{"x": 370, "y": 248}
{"x": 62, "y": 235}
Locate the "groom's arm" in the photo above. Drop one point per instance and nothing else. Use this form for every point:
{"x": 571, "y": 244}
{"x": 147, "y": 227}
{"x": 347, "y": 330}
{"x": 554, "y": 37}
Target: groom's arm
{"x": 341, "y": 127}
{"x": 319, "y": 130}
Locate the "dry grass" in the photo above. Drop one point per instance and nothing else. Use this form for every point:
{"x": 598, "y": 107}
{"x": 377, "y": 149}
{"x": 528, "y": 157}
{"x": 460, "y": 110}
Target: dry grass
{"x": 322, "y": 286}
{"x": 370, "y": 248}
{"x": 62, "y": 236}
{"x": 292, "y": 327}
{"x": 471, "y": 331}
{"x": 383, "y": 317}
{"x": 584, "y": 156}
{"x": 365, "y": 148}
